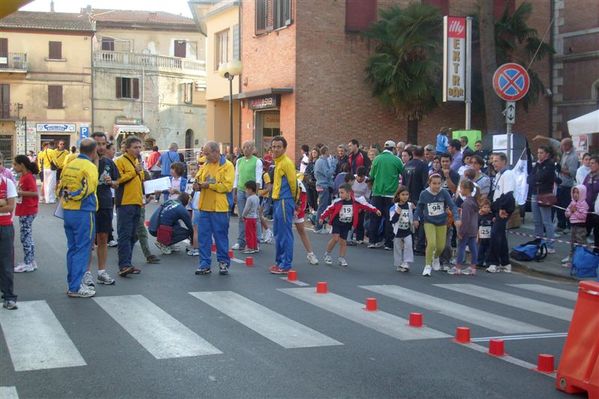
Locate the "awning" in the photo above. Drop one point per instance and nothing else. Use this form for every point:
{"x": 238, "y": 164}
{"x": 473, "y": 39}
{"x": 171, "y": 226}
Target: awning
{"x": 123, "y": 129}
{"x": 260, "y": 93}
{"x": 585, "y": 124}
{"x": 9, "y": 6}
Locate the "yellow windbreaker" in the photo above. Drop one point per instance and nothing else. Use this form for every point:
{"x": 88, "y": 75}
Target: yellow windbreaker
{"x": 130, "y": 190}
{"x": 78, "y": 184}
{"x": 220, "y": 175}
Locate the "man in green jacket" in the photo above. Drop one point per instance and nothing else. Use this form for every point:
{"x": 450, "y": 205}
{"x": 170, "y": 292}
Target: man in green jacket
{"x": 385, "y": 172}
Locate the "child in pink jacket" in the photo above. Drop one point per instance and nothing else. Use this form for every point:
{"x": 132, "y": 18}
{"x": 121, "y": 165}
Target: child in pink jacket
{"x": 577, "y": 213}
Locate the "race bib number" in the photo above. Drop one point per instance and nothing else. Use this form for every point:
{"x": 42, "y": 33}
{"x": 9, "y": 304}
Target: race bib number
{"x": 484, "y": 232}
{"x": 346, "y": 214}
{"x": 404, "y": 219}
{"x": 436, "y": 208}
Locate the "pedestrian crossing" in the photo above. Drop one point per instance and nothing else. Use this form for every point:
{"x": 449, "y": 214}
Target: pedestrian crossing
{"x": 48, "y": 345}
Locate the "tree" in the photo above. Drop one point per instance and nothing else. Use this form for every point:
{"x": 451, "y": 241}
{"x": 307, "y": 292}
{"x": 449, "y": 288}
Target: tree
{"x": 405, "y": 70}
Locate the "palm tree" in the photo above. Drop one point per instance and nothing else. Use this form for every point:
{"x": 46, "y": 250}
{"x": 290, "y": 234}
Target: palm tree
{"x": 405, "y": 70}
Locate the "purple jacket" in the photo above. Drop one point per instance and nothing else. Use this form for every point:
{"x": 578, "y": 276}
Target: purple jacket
{"x": 591, "y": 182}
{"x": 469, "y": 227}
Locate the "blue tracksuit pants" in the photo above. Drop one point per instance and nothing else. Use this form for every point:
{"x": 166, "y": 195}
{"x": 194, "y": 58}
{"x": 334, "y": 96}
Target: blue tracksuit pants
{"x": 80, "y": 231}
{"x": 213, "y": 224}
{"x": 282, "y": 224}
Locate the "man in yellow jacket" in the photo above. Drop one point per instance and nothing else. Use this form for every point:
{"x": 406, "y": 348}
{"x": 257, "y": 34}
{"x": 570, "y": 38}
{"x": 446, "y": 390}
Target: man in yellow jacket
{"x": 60, "y": 156}
{"x": 215, "y": 180}
{"x": 77, "y": 191}
{"x": 128, "y": 201}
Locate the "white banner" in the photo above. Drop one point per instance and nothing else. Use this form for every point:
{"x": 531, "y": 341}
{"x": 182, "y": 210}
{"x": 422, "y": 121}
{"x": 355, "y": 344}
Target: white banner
{"x": 56, "y": 127}
{"x": 454, "y": 59}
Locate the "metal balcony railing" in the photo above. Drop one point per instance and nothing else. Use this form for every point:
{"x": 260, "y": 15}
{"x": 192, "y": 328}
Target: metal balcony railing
{"x": 116, "y": 59}
{"x": 14, "y": 62}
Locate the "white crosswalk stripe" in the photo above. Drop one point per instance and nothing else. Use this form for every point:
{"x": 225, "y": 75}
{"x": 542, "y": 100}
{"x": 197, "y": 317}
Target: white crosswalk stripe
{"x": 36, "y": 340}
{"x": 271, "y": 325}
{"x": 382, "y": 322}
{"x": 517, "y": 301}
{"x": 455, "y": 310}
{"x": 8, "y": 393}
{"x": 544, "y": 289}
{"x": 158, "y": 332}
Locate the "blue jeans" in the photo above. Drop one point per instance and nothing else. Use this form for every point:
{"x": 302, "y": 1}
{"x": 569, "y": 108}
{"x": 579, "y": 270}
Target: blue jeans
{"x": 484, "y": 247}
{"x": 469, "y": 242}
{"x": 213, "y": 224}
{"x": 79, "y": 229}
{"x": 126, "y": 225}
{"x": 282, "y": 224}
{"x": 324, "y": 200}
{"x": 543, "y": 219}
{"x": 241, "y": 198}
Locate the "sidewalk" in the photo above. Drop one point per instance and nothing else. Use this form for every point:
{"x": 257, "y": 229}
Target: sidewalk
{"x": 551, "y": 265}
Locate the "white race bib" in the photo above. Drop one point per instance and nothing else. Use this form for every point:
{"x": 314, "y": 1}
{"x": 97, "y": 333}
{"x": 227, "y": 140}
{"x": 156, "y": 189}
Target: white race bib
{"x": 484, "y": 232}
{"x": 404, "y": 219}
{"x": 346, "y": 214}
{"x": 436, "y": 208}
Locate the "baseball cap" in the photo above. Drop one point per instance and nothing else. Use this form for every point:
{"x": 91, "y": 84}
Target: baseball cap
{"x": 389, "y": 144}
{"x": 429, "y": 147}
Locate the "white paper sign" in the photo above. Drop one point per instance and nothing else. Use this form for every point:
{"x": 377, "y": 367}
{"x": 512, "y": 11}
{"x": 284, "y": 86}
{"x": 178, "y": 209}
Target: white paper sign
{"x": 161, "y": 184}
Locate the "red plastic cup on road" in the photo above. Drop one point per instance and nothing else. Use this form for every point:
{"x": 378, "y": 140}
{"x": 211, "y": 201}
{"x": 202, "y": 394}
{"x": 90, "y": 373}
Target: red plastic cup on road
{"x": 496, "y": 347}
{"x": 371, "y": 305}
{"x": 462, "y": 335}
{"x": 292, "y": 275}
{"x": 415, "y": 319}
{"x": 249, "y": 261}
{"x": 322, "y": 287}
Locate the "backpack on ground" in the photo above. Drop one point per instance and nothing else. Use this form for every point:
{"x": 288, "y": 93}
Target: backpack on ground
{"x": 584, "y": 263}
{"x": 529, "y": 251}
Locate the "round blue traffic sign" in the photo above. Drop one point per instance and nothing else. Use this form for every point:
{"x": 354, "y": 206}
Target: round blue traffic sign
{"x": 511, "y": 82}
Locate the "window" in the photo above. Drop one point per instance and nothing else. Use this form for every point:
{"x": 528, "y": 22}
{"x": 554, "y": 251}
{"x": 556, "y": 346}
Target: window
{"x": 4, "y": 101}
{"x": 221, "y": 40}
{"x": 272, "y": 14}
{"x": 180, "y": 48}
{"x": 281, "y": 13}
{"x": 187, "y": 93}
{"x": 107, "y": 44}
{"x": 262, "y": 16}
{"x": 359, "y": 14}
{"x": 55, "y": 50}
{"x": 55, "y": 97}
{"x": 127, "y": 88}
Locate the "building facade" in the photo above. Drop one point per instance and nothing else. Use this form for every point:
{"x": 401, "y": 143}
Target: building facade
{"x": 45, "y": 79}
{"x": 149, "y": 77}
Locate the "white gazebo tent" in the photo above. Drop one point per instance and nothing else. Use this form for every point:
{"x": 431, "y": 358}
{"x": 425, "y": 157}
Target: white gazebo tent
{"x": 585, "y": 124}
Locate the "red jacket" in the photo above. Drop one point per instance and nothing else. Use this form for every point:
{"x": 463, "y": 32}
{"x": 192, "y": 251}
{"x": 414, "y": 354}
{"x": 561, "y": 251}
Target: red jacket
{"x": 357, "y": 160}
{"x": 358, "y": 206}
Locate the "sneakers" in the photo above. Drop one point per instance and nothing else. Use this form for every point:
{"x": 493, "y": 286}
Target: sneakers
{"x": 506, "y": 268}
{"x": 274, "y": 269}
{"x": 454, "y": 270}
{"x": 359, "y": 242}
{"x": 193, "y": 252}
{"x": 469, "y": 271}
{"x": 550, "y": 250}
{"x": 427, "y": 271}
{"x": 113, "y": 243}
{"x": 342, "y": 261}
{"x": 404, "y": 267}
{"x": 328, "y": 260}
{"x": 104, "y": 278}
{"x": 376, "y": 245}
{"x": 237, "y": 247}
{"x": 312, "y": 259}
{"x": 223, "y": 268}
{"x": 24, "y": 268}
{"x": 201, "y": 271}
{"x": 163, "y": 248}
{"x": 436, "y": 264}
{"x": 84, "y": 292}
{"x": 445, "y": 267}
{"x": 88, "y": 280}
{"x": 492, "y": 269}
{"x": 267, "y": 236}
{"x": 250, "y": 251}
{"x": 566, "y": 259}
{"x": 10, "y": 305}
{"x": 153, "y": 259}
{"x": 388, "y": 248}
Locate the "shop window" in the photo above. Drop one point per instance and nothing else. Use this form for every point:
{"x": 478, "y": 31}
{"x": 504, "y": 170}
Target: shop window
{"x": 55, "y": 50}
{"x": 221, "y": 40}
{"x": 127, "y": 88}
{"x": 55, "y": 97}
{"x": 359, "y": 14}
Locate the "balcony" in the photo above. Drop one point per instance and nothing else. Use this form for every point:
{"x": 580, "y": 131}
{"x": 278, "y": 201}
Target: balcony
{"x": 15, "y": 62}
{"x": 148, "y": 62}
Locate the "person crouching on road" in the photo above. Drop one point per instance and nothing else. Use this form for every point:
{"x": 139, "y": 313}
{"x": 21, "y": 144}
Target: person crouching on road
{"x": 402, "y": 220}
{"x": 431, "y": 211}
{"x": 169, "y": 214}
{"x": 77, "y": 191}
{"x": 343, "y": 215}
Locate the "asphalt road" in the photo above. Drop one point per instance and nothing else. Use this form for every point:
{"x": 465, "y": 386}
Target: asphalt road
{"x": 148, "y": 337}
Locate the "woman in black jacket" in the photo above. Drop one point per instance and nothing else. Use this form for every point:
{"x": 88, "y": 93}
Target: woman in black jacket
{"x": 542, "y": 181}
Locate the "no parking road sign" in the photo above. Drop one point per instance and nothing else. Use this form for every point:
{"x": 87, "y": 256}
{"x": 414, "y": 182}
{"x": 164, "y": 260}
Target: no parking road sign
{"x": 511, "y": 82}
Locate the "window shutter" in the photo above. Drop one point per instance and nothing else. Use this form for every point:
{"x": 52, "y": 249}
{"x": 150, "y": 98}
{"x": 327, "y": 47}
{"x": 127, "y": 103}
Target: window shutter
{"x": 119, "y": 88}
{"x": 55, "y": 50}
{"x": 135, "y": 88}
{"x": 287, "y": 12}
{"x": 4, "y": 101}
{"x": 269, "y": 14}
{"x": 180, "y": 48}
{"x": 55, "y": 97}
{"x": 261, "y": 9}
{"x": 3, "y": 51}
{"x": 359, "y": 14}
{"x": 236, "y": 47}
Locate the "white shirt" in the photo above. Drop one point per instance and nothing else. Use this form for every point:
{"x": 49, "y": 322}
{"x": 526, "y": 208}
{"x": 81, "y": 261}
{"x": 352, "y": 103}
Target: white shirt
{"x": 504, "y": 183}
{"x": 304, "y": 163}
{"x": 11, "y": 192}
{"x": 582, "y": 173}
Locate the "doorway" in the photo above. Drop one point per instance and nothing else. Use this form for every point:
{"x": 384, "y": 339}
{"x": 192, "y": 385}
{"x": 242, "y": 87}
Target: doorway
{"x": 268, "y": 125}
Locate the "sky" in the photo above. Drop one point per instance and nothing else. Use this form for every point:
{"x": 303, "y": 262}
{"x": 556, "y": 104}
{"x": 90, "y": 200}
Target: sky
{"x": 172, "y": 6}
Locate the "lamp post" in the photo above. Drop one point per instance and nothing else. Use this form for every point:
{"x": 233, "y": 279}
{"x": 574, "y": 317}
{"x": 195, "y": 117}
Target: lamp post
{"x": 229, "y": 71}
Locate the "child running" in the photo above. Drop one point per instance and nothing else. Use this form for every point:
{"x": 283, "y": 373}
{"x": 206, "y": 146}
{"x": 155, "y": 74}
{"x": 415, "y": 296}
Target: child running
{"x": 431, "y": 211}
{"x": 402, "y": 219}
{"x": 577, "y": 213}
{"x": 250, "y": 216}
{"x": 343, "y": 215}
{"x": 467, "y": 231}
{"x": 26, "y": 210}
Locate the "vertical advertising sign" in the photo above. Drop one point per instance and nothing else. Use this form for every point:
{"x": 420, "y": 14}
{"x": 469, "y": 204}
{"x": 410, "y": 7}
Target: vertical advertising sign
{"x": 454, "y": 59}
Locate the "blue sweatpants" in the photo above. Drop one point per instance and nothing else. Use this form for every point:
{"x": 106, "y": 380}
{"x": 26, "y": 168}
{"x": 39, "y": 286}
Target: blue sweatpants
{"x": 80, "y": 231}
{"x": 282, "y": 224}
{"x": 127, "y": 219}
{"x": 213, "y": 224}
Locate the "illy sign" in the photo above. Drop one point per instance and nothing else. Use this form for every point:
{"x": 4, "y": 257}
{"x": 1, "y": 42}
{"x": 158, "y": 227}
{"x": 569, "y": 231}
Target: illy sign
{"x": 454, "y": 59}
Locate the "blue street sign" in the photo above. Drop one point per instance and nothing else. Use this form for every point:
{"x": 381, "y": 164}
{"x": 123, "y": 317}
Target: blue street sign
{"x": 84, "y": 132}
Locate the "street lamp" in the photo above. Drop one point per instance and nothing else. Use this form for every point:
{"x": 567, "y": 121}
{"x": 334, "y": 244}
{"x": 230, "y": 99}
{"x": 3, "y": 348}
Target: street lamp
{"x": 229, "y": 71}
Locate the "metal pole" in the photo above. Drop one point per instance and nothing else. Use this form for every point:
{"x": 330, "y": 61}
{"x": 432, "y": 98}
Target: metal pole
{"x": 468, "y": 97}
{"x": 25, "y": 122}
{"x": 231, "y": 77}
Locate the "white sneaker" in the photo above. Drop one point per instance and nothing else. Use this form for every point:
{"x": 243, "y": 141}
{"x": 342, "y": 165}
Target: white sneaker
{"x": 88, "y": 280}
{"x": 469, "y": 271}
{"x": 236, "y": 247}
{"x": 24, "y": 268}
{"x": 550, "y": 250}
{"x": 342, "y": 261}
{"x": 104, "y": 278}
{"x": 453, "y": 270}
{"x": 492, "y": 269}
{"x": 84, "y": 292}
{"x": 436, "y": 264}
{"x": 163, "y": 248}
{"x": 404, "y": 267}
{"x": 312, "y": 259}
{"x": 506, "y": 268}
{"x": 268, "y": 236}
{"x": 113, "y": 243}
{"x": 566, "y": 259}
{"x": 427, "y": 271}
{"x": 193, "y": 252}
{"x": 328, "y": 260}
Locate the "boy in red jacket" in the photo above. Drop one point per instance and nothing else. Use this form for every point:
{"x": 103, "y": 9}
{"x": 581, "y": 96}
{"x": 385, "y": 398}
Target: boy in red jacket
{"x": 343, "y": 215}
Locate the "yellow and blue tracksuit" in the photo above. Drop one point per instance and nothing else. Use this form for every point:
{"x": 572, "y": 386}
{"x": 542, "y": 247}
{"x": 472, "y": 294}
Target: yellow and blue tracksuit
{"x": 213, "y": 206}
{"x": 77, "y": 191}
{"x": 285, "y": 193}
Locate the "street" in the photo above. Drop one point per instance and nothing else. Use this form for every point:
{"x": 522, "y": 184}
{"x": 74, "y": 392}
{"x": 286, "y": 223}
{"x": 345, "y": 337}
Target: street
{"x": 170, "y": 333}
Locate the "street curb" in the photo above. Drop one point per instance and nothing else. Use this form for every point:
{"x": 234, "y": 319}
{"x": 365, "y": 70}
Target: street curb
{"x": 530, "y": 267}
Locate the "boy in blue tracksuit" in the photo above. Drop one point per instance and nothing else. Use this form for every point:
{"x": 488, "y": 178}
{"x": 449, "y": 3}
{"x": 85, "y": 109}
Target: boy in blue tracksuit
{"x": 77, "y": 190}
{"x": 285, "y": 193}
